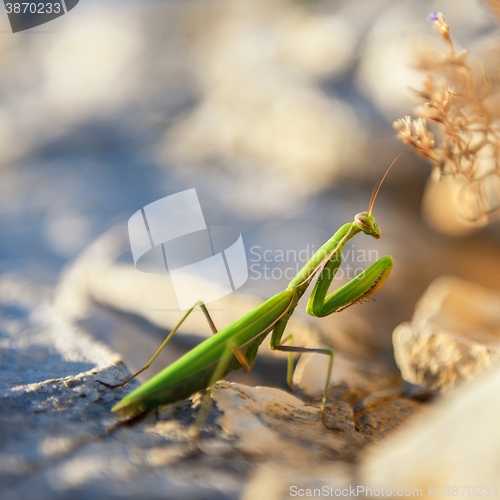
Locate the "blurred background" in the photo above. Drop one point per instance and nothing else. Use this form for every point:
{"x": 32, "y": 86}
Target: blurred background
{"x": 278, "y": 112}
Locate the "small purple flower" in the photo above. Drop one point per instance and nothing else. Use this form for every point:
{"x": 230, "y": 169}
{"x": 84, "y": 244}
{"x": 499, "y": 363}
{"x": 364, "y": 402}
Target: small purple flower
{"x": 433, "y": 16}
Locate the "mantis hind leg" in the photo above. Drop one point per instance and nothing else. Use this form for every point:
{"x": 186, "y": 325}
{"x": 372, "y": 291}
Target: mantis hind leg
{"x": 239, "y": 355}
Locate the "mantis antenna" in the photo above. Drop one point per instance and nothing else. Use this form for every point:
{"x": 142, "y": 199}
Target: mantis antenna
{"x": 373, "y": 197}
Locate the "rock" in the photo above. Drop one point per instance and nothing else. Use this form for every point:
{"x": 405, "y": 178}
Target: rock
{"x": 37, "y": 344}
{"x": 374, "y": 393}
{"x": 456, "y": 443}
{"x": 454, "y": 335}
{"x": 58, "y": 438}
{"x": 279, "y": 481}
{"x": 381, "y": 414}
{"x": 271, "y": 423}
{"x": 442, "y": 208}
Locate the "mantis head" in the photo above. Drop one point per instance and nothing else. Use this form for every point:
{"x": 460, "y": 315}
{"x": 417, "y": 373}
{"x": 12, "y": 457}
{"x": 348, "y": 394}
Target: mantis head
{"x": 365, "y": 220}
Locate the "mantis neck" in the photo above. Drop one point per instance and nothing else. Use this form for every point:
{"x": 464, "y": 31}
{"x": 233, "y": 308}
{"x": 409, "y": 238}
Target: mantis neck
{"x": 331, "y": 249}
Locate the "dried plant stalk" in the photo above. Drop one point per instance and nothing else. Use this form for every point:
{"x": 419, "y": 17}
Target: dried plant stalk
{"x": 469, "y": 149}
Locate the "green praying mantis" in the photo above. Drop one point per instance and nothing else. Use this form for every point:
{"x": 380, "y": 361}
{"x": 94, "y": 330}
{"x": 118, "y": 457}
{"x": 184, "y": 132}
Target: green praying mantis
{"x": 236, "y": 345}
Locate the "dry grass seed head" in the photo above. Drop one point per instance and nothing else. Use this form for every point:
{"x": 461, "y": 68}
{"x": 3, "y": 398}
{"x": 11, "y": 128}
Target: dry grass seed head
{"x": 469, "y": 145}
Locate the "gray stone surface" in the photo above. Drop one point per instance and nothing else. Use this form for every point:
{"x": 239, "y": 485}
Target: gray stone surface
{"x": 58, "y": 437}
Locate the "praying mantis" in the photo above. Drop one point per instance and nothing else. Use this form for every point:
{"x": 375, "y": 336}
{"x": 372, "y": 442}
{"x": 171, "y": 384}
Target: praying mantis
{"x": 236, "y": 345}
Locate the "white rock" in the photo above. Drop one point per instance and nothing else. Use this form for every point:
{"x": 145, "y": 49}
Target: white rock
{"x": 454, "y": 335}
{"x": 443, "y": 210}
{"x": 283, "y": 481}
{"x": 456, "y": 443}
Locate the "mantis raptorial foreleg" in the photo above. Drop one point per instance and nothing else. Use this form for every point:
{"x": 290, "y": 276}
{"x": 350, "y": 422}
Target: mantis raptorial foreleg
{"x": 363, "y": 285}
